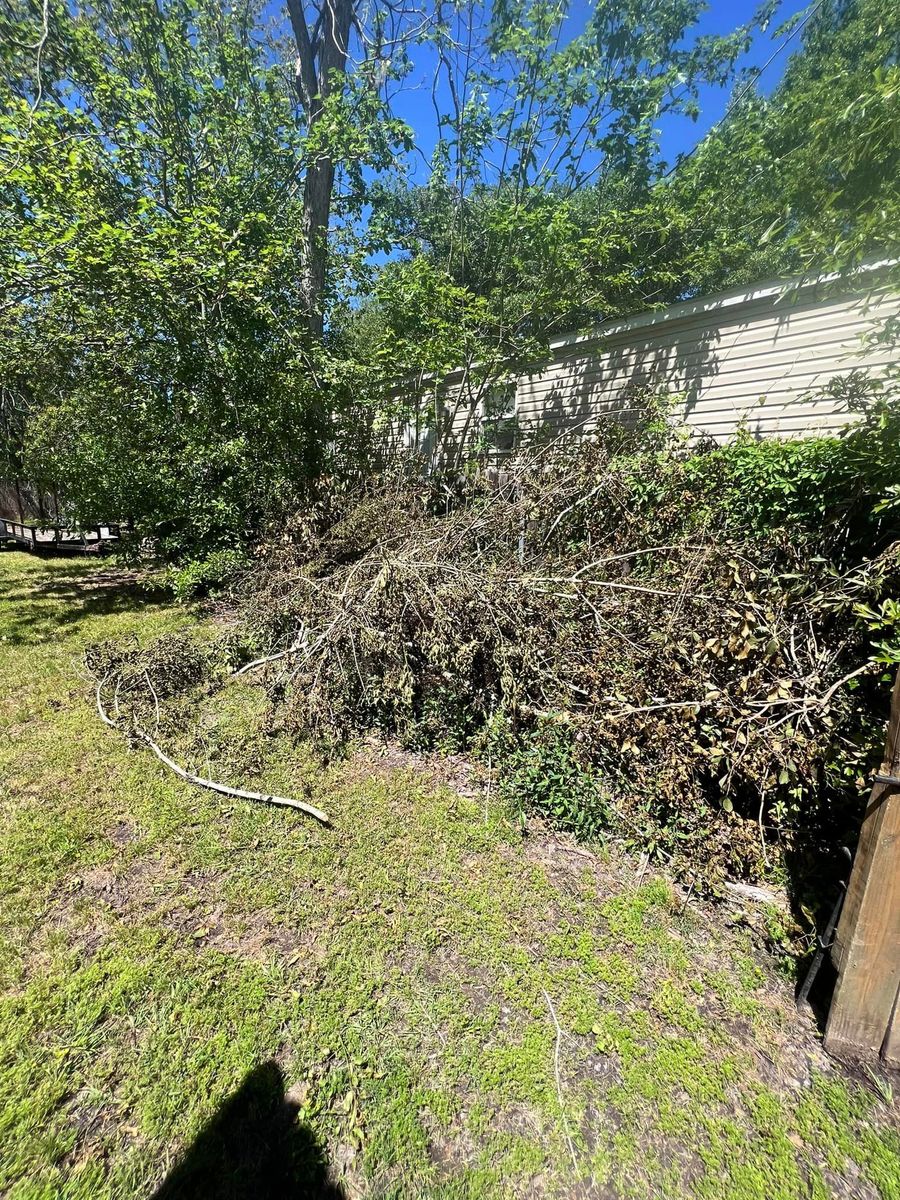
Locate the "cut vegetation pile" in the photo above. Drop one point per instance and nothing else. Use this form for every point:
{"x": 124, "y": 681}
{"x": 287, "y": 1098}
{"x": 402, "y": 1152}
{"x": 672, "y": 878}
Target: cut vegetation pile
{"x": 678, "y": 643}
{"x": 688, "y": 646}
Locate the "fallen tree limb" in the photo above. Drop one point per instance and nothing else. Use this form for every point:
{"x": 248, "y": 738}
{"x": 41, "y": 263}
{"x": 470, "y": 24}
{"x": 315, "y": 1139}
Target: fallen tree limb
{"x": 223, "y": 789}
{"x": 199, "y": 780}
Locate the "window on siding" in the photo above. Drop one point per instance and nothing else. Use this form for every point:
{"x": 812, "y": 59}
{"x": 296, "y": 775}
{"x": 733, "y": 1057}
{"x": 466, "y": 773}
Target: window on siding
{"x": 499, "y": 420}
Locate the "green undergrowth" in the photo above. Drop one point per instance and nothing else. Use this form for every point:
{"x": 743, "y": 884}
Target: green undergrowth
{"x": 455, "y": 1010}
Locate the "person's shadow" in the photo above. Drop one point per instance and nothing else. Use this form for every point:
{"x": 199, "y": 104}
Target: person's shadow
{"x": 253, "y": 1147}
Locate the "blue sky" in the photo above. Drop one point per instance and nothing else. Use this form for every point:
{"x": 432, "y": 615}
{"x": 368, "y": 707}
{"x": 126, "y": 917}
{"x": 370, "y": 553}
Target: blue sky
{"x": 677, "y": 133}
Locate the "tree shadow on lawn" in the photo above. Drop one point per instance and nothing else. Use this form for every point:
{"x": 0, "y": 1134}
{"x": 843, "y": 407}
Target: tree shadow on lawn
{"x": 50, "y": 603}
{"x": 253, "y": 1149}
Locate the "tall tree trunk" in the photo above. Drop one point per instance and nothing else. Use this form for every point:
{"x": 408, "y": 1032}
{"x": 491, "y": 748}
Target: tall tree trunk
{"x": 316, "y": 211}
{"x": 321, "y": 63}
{"x": 18, "y": 488}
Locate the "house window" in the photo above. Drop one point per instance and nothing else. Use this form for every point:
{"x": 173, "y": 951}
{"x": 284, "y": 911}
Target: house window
{"x": 499, "y": 420}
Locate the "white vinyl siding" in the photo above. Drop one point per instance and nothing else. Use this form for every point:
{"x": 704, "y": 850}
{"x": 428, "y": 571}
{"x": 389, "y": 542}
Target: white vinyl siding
{"x": 748, "y": 359}
{"x": 758, "y": 358}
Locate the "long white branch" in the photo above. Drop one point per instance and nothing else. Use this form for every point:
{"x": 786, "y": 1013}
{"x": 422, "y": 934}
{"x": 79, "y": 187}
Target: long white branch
{"x": 299, "y": 643}
{"x": 260, "y": 662}
{"x": 107, "y": 720}
{"x": 223, "y": 789}
{"x": 210, "y": 784}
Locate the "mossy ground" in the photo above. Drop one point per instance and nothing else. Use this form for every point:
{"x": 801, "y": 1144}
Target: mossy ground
{"x": 159, "y": 946}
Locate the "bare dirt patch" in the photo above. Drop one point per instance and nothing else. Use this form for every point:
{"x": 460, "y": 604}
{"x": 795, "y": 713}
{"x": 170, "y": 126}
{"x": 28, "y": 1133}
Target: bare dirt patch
{"x": 380, "y": 756}
{"x": 154, "y": 891}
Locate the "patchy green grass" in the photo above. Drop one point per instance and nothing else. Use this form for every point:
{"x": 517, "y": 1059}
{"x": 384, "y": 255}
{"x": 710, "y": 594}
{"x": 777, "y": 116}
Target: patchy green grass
{"x": 159, "y": 946}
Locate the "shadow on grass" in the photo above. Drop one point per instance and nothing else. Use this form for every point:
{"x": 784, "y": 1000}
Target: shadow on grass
{"x": 253, "y": 1148}
{"x": 68, "y": 592}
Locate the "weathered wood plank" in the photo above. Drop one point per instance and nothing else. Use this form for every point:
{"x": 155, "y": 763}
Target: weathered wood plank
{"x": 867, "y": 945}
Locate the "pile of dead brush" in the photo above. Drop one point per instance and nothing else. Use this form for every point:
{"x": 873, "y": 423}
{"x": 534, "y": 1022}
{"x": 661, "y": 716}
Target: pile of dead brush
{"x": 585, "y": 618}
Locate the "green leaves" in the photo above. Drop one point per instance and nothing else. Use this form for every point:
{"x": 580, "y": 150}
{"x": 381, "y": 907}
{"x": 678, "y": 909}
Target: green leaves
{"x": 151, "y": 249}
{"x": 153, "y": 245}
{"x": 804, "y": 179}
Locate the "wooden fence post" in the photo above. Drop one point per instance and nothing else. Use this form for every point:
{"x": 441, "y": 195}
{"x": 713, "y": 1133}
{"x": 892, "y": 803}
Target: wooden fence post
{"x": 864, "y": 1018}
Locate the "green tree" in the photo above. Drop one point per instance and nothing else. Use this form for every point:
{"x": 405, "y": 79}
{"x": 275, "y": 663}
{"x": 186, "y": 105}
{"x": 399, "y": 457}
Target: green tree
{"x": 153, "y": 262}
{"x": 804, "y": 179}
{"x": 547, "y": 143}
{"x": 187, "y": 222}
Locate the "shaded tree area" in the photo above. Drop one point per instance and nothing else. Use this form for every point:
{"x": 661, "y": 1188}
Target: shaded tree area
{"x": 215, "y": 255}
{"x": 155, "y": 349}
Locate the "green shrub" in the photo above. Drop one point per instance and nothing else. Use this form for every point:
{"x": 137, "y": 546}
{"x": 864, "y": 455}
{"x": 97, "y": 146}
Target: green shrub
{"x": 837, "y": 491}
{"x": 544, "y": 771}
{"x": 205, "y": 576}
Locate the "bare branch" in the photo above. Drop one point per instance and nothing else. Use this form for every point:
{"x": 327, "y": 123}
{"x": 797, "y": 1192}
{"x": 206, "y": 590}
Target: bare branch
{"x": 198, "y": 780}
{"x": 307, "y": 86}
{"x": 222, "y": 789}
{"x": 559, "y": 1094}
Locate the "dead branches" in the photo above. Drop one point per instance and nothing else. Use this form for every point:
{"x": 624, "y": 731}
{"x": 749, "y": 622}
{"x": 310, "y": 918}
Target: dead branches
{"x": 577, "y": 605}
{"x": 705, "y": 675}
{"x": 190, "y": 776}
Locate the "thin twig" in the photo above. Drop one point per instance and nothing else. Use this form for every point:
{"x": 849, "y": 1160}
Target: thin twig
{"x": 100, "y": 709}
{"x": 823, "y": 700}
{"x": 558, "y": 1081}
{"x": 617, "y": 584}
{"x": 645, "y": 862}
{"x": 687, "y": 898}
{"x": 629, "y": 711}
{"x": 42, "y": 42}
{"x": 155, "y": 698}
{"x": 599, "y": 562}
{"x": 561, "y": 846}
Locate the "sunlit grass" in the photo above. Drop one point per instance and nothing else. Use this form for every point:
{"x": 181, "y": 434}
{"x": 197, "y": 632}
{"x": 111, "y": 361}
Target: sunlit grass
{"x": 158, "y": 944}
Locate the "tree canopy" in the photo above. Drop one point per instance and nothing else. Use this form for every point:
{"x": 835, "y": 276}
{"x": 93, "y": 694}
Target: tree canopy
{"x": 219, "y": 242}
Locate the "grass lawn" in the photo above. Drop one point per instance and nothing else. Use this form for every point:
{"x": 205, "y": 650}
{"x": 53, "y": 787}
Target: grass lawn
{"x": 201, "y": 997}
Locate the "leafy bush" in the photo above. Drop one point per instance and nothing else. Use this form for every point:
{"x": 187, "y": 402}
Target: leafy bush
{"x": 548, "y": 772}
{"x": 205, "y": 576}
{"x": 833, "y": 493}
